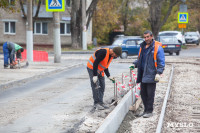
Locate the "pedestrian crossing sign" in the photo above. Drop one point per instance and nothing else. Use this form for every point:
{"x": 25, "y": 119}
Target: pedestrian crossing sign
{"x": 55, "y": 5}
{"x": 182, "y": 17}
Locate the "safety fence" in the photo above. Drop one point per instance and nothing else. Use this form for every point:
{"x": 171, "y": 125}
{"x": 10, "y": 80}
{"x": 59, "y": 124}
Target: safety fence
{"x": 38, "y": 56}
{"x": 123, "y": 87}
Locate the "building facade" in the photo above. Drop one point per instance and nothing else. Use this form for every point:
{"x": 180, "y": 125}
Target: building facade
{"x": 13, "y": 25}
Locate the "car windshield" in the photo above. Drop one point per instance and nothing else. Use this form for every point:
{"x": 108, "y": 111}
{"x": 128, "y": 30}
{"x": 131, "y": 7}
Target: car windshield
{"x": 190, "y": 34}
{"x": 168, "y": 39}
{"x": 118, "y": 42}
{"x": 168, "y": 34}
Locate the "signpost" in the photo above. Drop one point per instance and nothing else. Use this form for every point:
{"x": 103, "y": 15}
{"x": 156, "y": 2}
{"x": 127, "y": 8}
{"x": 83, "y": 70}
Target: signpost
{"x": 55, "y": 5}
{"x": 182, "y": 20}
{"x": 182, "y": 17}
{"x": 182, "y": 26}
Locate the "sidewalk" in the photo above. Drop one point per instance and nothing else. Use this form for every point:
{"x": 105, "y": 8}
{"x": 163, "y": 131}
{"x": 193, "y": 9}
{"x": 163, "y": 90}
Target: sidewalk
{"x": 35, "y": 70}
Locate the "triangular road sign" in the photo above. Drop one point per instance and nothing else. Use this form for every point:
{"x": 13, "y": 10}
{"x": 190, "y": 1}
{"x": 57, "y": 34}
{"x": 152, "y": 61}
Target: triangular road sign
{"x": 182, "y": 17}
{"x": 55, "y": 3}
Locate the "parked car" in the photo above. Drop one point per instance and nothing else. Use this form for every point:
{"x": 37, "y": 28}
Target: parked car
{"x": 192, "y": 38}
{"x": 178, "y": 35}
{"x": 170, "y": 44}
{"x": 130, "y": 45}
{"x": 118, "y": 36}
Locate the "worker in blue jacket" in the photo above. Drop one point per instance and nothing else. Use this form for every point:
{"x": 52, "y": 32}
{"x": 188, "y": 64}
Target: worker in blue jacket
{"x": 148, "y": 73}
{"x": 9, "y": 51}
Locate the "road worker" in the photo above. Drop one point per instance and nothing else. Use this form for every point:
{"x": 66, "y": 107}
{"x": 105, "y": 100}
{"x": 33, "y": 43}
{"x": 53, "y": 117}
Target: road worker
{"x": 150, "y": 64}
{"x": 9, "y": 50}
{"x": 98, "y": 64}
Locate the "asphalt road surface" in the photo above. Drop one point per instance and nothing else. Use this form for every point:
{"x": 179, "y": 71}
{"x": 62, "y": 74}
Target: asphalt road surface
{"x": 52, "y": 104}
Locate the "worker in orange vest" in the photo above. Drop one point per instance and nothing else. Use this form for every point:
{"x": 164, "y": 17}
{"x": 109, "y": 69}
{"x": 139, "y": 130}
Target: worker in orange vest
{"x": 98, "y": 64}
{"x": 150, "y": 64}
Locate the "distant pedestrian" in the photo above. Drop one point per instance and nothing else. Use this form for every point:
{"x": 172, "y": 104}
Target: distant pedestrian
{"x": 98, "y": 64}
{"x": 150, "y": 67}
{"x": 9, "y": 50}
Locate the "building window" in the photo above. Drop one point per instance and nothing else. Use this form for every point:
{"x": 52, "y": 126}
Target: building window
{"x": 12, "y": 2}
{"x": 65, "y": 28}
{"x": 68, "y": 3}
{"x": 40, "y": 28}
{"x": 9, "y": 28}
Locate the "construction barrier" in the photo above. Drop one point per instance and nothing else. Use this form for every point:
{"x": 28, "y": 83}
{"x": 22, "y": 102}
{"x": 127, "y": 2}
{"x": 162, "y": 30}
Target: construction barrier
{"x": 38, "y": 56}
{"x": 123, "y": 88}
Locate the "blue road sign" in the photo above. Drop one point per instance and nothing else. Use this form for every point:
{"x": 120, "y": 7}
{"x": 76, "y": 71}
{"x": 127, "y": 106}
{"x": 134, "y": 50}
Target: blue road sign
{"x": 55, "y": 5}
{"x": 182, "y": 17}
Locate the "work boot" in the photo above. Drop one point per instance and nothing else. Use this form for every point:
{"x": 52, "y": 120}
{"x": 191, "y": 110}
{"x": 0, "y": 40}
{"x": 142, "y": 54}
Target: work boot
{"x": 95, "y": 106}
{"x": 147, "y": 115}
{"x": 99, "y": 107}
{"x": 140, "y": 114}
{"x": 104, "y": 105}
{"x": 5, "y": 66}
{"x": 13, "y": 67}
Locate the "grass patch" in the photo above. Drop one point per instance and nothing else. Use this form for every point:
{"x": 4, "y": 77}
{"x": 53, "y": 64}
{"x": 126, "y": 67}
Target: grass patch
{"x": 183, "y": 46}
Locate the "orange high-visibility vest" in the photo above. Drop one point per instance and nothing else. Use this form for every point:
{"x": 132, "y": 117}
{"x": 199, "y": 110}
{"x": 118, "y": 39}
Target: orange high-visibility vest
{"x": 157, "y": 44}
{"x": 104, "y": 64}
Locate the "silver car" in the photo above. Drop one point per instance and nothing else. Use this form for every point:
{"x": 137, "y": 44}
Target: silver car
{"x": 192, "y": 38}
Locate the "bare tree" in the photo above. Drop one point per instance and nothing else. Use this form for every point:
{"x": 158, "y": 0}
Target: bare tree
{"x": 76, "y": 23}
{"x": 76, "y": 20}
{"x": 37, "y": 11}
{"x": 155, "y": 14}
{"x": 125, "y": 9}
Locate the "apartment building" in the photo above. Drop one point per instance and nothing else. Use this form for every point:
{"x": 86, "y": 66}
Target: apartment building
{"x": 13, "y": 25}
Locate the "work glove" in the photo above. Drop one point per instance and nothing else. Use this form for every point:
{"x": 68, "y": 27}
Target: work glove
{"x": 95, "y": 79}
{"x": 157, "y": 77}
{"x": 112, "y": 79}
{"x": 132, "y": 67}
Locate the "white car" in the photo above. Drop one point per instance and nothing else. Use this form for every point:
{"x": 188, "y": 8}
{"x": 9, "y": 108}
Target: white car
{"x": 178, "y": 35}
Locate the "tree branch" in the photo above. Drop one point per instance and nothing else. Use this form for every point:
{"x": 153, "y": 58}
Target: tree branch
{"x": 38, "y": 9}
{"x": 148, "y": 2}
{"x": 90, "y": 11}
{"x": 172, "y": 4}
{"x": 22, "y": 8}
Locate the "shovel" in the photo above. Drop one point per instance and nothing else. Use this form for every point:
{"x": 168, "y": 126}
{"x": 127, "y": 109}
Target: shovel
{"x": 114, "y": 101}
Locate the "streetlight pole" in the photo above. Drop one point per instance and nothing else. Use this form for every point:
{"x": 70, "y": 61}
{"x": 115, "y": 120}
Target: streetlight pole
{"x": 57, "y": 44}
{"x": 29, "y": 31}
{"x": 84, "y": 29}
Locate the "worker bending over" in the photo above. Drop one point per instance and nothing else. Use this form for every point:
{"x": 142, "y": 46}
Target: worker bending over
{"x": 98, "y": 64}
{"x": 9, "y": 50}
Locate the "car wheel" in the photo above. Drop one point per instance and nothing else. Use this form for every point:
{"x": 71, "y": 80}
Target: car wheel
{"x": 124, "y": 55}
{"x": 170, "y": 53}
{"x": 197, "y": 43}
{"x": 177, "y": 53}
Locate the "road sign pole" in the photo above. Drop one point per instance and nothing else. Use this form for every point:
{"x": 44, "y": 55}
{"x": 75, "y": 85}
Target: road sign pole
{"x": 57, "y": 45}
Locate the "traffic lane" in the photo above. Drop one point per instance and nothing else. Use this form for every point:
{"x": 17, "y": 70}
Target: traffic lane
{"x": 192, "y": 50}
{"x": 54, "y": 105}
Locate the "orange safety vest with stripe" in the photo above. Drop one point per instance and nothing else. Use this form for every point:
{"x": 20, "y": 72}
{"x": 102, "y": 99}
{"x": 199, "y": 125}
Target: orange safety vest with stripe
{"x": 104, "y": 64}
{"x": 157, "y": 44}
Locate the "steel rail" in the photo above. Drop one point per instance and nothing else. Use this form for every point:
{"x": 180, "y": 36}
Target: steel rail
{"x": 162, "y": 114}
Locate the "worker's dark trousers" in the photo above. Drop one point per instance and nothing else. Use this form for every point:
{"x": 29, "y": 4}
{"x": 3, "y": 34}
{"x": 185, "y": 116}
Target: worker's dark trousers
{"x": 6, "y": 54}
{"x": 97, "y": 93}
{"x": 147, "y": 94}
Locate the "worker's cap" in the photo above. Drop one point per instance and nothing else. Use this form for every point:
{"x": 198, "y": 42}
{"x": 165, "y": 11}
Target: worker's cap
{"x": 117, "y": 51}
{"x": 22, "y": 50}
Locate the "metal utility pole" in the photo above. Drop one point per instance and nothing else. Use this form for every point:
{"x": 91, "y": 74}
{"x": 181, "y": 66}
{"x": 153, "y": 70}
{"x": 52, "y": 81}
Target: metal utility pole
{"x": 29, "y": 31}
{"x": 57, "y": 45}
{"x": 84, "y": 29}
